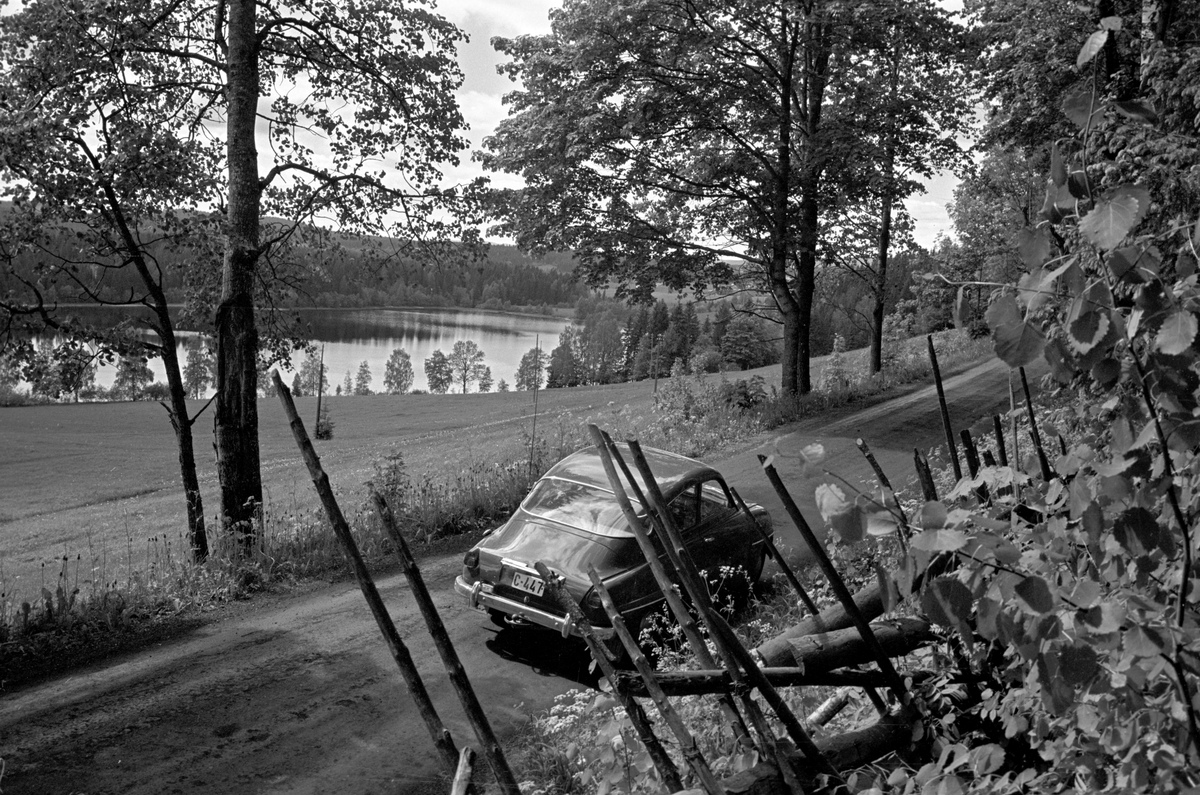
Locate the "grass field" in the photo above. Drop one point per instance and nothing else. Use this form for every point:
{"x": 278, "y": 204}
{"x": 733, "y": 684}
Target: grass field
{"x": 99, "y": 483}
{"x": 96, "y": 486}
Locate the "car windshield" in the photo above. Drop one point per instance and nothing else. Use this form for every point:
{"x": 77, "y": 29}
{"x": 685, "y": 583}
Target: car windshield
{"x": 577, "y": 505}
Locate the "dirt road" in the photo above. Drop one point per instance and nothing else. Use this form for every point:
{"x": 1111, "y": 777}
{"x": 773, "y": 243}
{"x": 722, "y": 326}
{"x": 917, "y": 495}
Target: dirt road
{"x": 299, "y": 695}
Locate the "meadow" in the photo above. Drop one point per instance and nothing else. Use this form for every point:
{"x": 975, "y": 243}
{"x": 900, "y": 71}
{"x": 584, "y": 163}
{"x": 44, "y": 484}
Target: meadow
{"x": 101, "y": 480}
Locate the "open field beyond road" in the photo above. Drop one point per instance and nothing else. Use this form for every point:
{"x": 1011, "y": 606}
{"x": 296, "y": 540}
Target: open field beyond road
{"x": 100, "y": 479}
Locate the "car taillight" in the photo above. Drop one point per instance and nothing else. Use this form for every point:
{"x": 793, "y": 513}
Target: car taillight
{"x": 471, "y": 565}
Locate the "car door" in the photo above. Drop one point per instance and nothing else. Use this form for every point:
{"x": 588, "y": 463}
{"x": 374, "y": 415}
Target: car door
{"x": 707, "y": 519}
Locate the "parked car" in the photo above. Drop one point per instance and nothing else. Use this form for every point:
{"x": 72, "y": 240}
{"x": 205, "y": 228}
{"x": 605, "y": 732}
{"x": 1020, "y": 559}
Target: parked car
{"x": 571, "y": 520}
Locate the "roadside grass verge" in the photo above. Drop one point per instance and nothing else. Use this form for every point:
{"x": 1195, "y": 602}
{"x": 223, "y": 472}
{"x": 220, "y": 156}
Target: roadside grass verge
{"x": 106, "y": 598}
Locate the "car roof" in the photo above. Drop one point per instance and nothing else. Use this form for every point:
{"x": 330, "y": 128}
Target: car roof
{"x": 670, "y": 470}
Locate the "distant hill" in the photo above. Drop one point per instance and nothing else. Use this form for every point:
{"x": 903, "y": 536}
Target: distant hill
{"x": 354, "y": 272}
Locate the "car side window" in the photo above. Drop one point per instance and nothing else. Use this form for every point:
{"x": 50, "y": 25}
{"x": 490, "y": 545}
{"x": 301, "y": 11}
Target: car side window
{"x": 713, "y": 500}
{"x": 684, "y": 509}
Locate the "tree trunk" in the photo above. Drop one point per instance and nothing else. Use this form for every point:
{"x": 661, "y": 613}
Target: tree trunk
{"x": 885, "y": 214}
{"x": 181, "y": 421}
{"x": 816, "y": 65}
{"x": 236, "y": 420}
{"x": 794, "y": 326}
{"x": 805, "y": 282}
{"x": 177, "y": 410}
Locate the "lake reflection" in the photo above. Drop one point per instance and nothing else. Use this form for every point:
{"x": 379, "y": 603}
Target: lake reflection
{"x": 351, "y": 336}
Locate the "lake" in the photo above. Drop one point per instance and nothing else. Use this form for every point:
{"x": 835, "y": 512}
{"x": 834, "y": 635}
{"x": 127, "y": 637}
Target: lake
{"x": 351, "y": 336}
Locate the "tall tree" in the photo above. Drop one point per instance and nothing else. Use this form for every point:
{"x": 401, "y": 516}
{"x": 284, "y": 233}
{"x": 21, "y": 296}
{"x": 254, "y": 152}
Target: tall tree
{"x": 466, "y": 363}
{"x": 532, "y": 369}
{"x": 313, "y": 373}
{"x": 362, "y": 379}
{"x": 687, "y": 143}
{"x": 902, "y": 107}
{"x": 105, "y": 168}
{"x": 438, "y": 373}
{"x": 358, "y": 107}
{"x": 197, "y": 370}
{"x": 650, "y": 135}
{"x": 398, "y": 373}
{"x": 563, "y": 369}
{"x": 379, "y": 80}
{"x": 133, "y": 376}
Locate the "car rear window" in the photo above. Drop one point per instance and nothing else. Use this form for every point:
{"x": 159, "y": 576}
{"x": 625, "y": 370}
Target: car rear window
{"x": 577, "y": 505}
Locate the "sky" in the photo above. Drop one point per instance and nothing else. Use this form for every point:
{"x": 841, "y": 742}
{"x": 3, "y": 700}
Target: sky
{"x": 480, "y": 96}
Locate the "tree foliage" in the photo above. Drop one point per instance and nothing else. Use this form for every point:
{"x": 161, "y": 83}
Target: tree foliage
{"x": 133, "y": 376}
{"x": 687, "y": 144}
{"x": 438, "y": 373}
{"x": 531, "y": 372}
{"x": 362, "y": 379}
{"x": 314, "y": 373}
{"x": 398, "y": 373}
{"x": 1072, "y": 605}
{"x": 466, "y": 364}
{"x": 199, "y": 369}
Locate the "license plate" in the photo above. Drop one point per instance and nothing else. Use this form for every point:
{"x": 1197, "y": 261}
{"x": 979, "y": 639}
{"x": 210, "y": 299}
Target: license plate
{"x": 528, "y": 583}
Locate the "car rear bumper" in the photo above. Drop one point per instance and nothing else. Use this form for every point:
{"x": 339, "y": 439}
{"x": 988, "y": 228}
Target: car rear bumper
{"x": 480, "y": 596}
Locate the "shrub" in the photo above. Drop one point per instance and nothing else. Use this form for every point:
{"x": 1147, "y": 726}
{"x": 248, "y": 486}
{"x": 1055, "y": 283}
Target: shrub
{"x": 324, "y": 429}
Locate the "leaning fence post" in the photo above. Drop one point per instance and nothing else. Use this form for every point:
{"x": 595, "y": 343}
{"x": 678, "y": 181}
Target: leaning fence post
{"x": 928, "y": 487}
{"x": 727, "y": 643}
{"x": 998, "y": 429}
{"x": 972, "y": 455}
{"x": 445, "y": 646}
{"x": 687, "y": 743}
{"x": 687, "y": 624}
{"x": 951, "y": 450}
{"x": 408, "y": 669}
{"x": 776, "y": 555}
{"x": 1047, "y": 473}
{"x": 637, "y": 716}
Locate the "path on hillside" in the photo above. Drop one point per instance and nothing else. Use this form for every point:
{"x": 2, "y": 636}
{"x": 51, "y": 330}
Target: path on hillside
{"x": 300, "y": 695}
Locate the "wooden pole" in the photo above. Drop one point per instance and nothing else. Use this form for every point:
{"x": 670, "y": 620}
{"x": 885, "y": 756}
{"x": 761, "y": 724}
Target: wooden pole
{"x": 925, "y": 476}
{"x": 732, "y": 651}
{"x": 998, "y": 429}
{"x": 776, "y": 555}
{"x": 844, "y": 648}
{"x": 462, "y": 774}
{"x": 445, "y": 646}
{"x": 687, "y": 624}
{"x": 778, "y": 650}
{"x": 837, "y": 583}
{"x": 320, "y": 390}
{"x": 687, "y": 743}
{"x": 951, "y": 450}
{"x": 1047, "y": 472}
{"x": 717, "y": 680}
{"x": 667, "y": 772}
{"x": 904, "y": 531}
{"x": 972, "y": 455}
{"x": 829, "y": 708}
{"x": 408, "y": 669}
{"x": 537, "y": 356}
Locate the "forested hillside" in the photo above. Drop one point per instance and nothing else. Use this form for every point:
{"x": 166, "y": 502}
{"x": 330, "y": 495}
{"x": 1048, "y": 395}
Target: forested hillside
{"x": 350, "y": 272}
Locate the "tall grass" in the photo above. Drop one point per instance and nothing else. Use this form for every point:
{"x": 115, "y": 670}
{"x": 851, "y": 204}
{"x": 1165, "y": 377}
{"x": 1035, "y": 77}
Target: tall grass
{"x": 152, "y": 580}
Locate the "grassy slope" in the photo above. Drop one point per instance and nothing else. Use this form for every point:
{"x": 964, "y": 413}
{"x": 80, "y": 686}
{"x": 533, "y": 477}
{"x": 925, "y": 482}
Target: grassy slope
{"x": 99, "y": 480}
